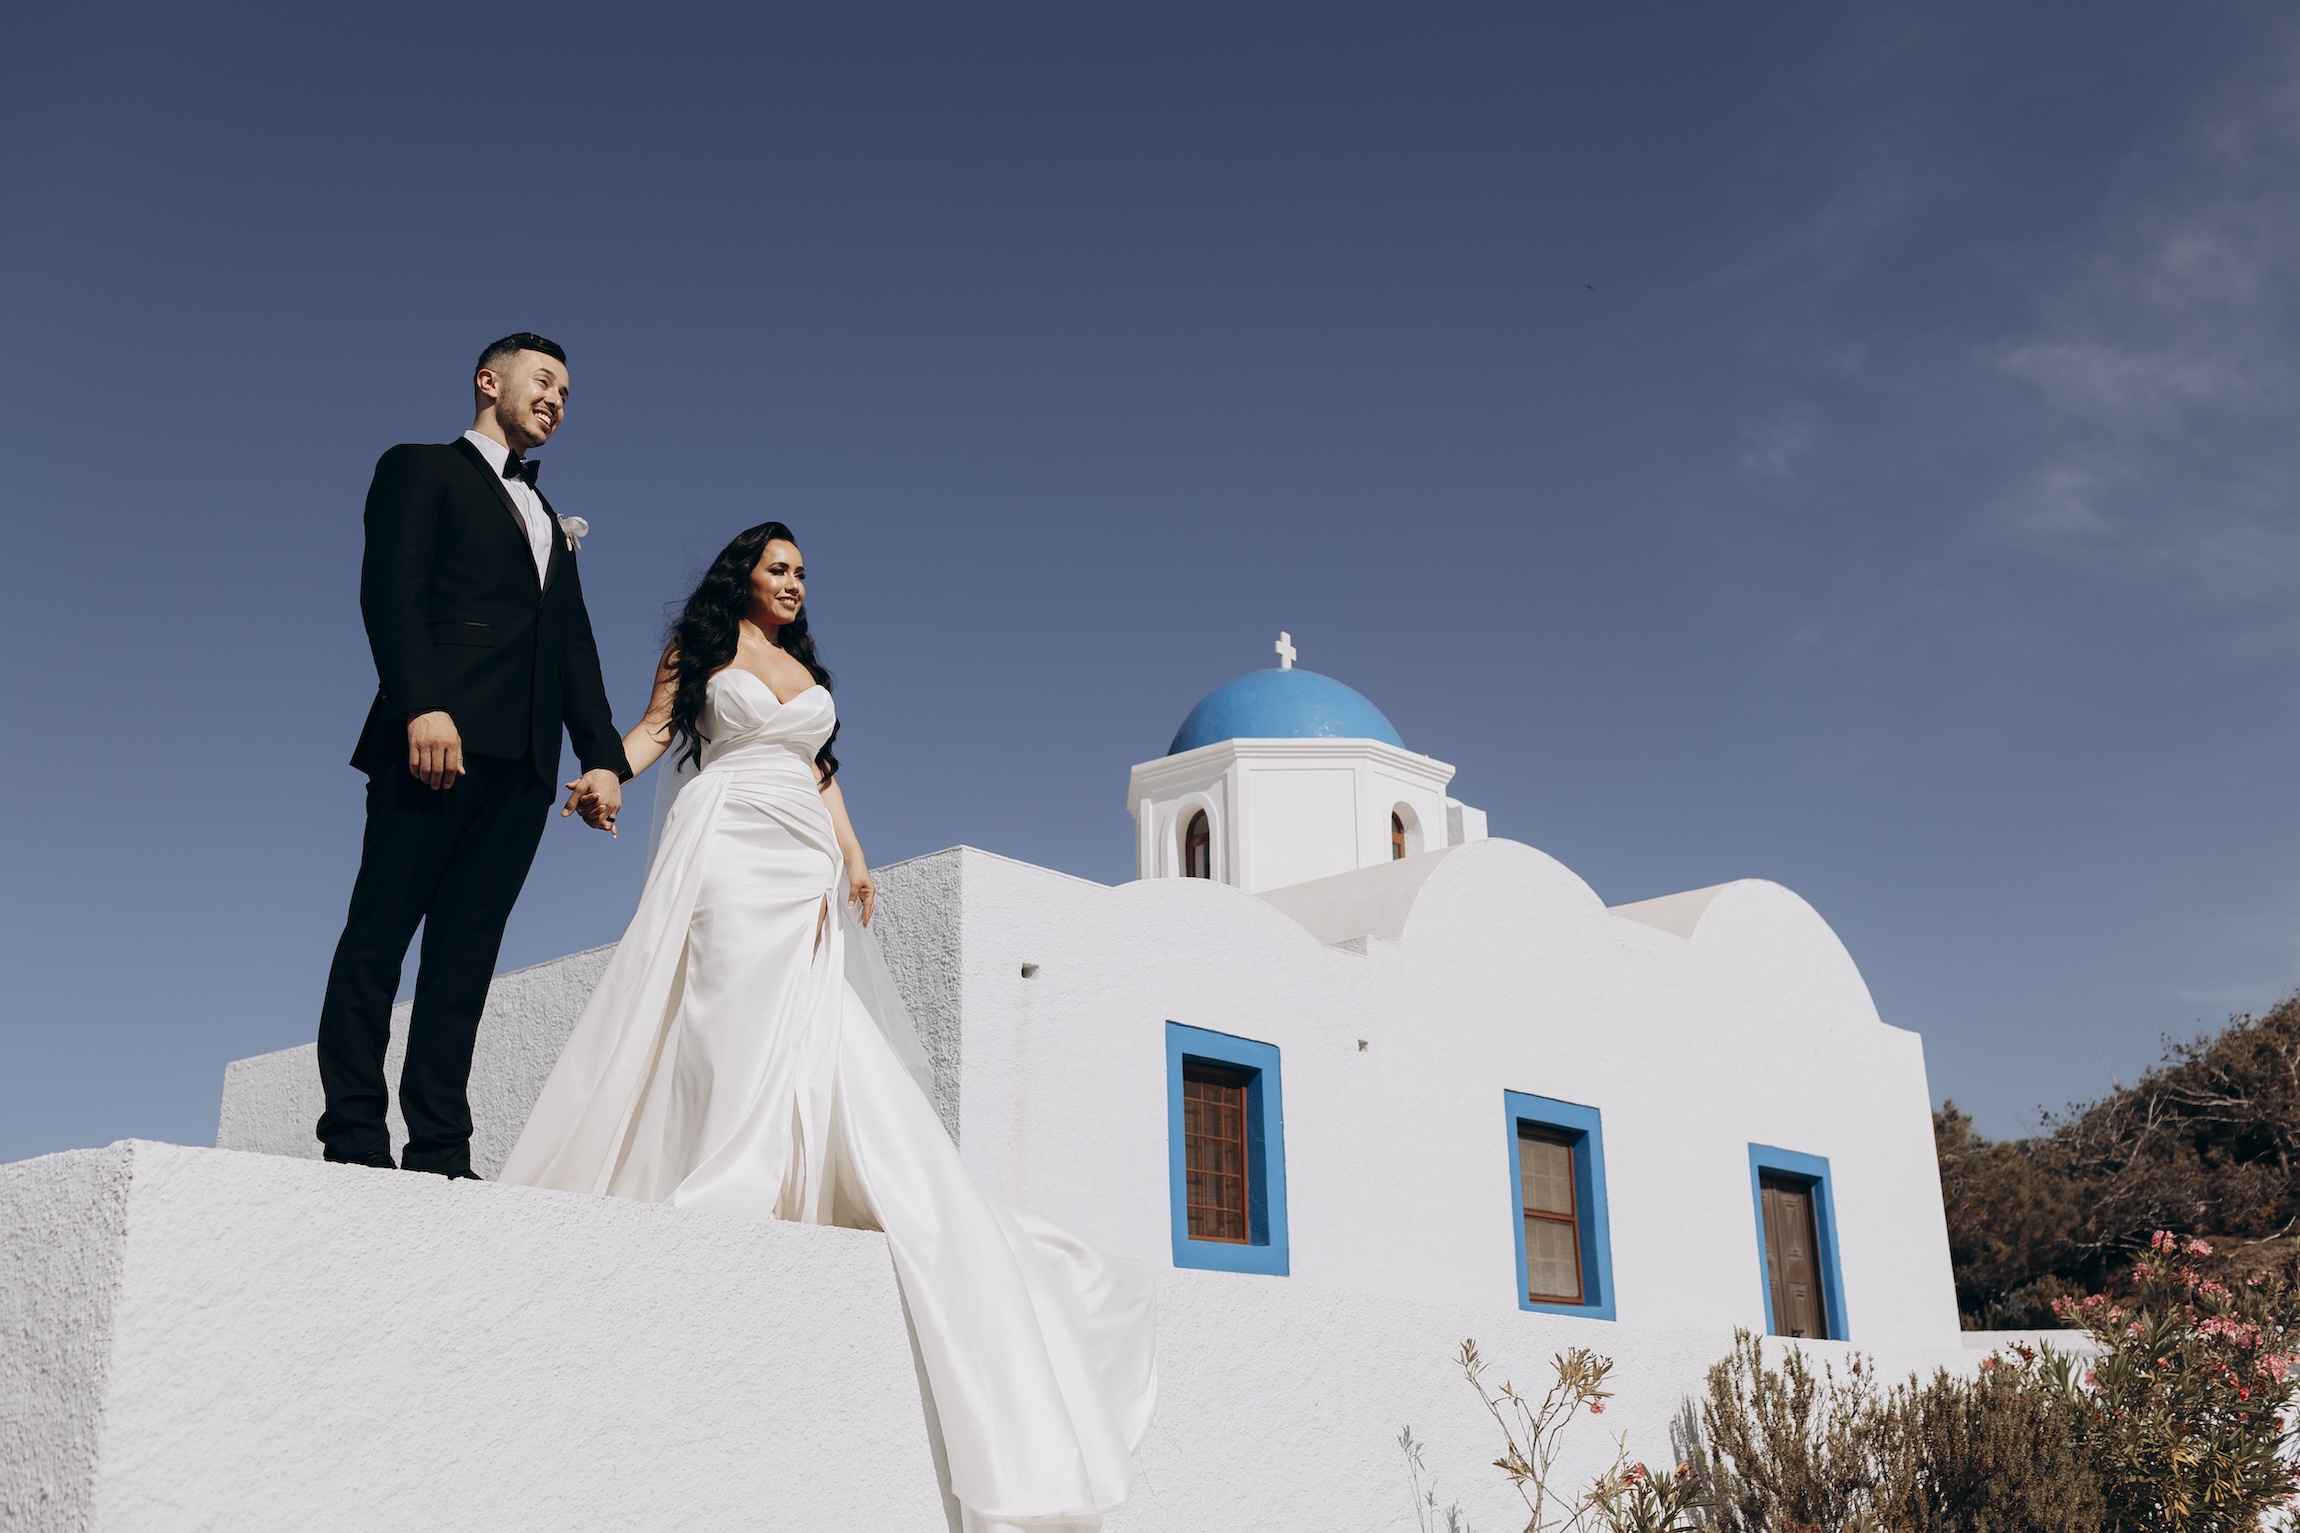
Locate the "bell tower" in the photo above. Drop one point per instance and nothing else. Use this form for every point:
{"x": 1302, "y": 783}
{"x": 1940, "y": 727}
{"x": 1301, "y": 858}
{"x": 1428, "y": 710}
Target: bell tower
{"x": 1283, "y": 776}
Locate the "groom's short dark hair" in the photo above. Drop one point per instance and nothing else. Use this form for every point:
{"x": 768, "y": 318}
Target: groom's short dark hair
{"x": 525, "y": 340}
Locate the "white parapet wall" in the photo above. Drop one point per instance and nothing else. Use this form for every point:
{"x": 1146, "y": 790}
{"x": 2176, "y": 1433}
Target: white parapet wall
{"x": 255, "y": 1343}
{"x": 202, "y": 1339}
{"x": 1404, "y": 998}
{"x": 272, "y": 1102}
{"x": 62, "y": 1219}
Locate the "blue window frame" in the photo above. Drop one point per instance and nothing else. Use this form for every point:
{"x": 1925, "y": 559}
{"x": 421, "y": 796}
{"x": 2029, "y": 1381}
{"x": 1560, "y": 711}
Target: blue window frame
{"x": 1254, "y": 1066}
{"x": 1769, "y": 1161}
{"x": 1581, "y": 1131}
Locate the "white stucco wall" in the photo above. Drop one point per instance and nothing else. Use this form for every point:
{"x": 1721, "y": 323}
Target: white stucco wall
{"x": 920, "y": 924}
{"x": 1280, "y": 1403}
{"x": 62, "y": 1222}
{"x": 1503, "y": 972}
{"x": 272, "y": 1102}
{"x": 279, "y": 1344}
{"x": 1697, "y": 1025}
{"x": 296, "y": 1346}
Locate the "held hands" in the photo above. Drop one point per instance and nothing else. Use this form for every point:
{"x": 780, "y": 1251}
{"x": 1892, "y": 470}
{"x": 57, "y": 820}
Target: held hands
{"x": 598, "y": 797}
{"x": 434, "y": 749}
{"x": 861, "y": 892}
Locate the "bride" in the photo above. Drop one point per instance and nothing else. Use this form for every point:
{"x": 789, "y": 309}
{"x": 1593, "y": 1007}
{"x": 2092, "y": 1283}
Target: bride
{"x": 746, "y": 1053}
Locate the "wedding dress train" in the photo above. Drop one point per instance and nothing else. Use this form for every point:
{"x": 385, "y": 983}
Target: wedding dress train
{"x": 745, "y": 1052}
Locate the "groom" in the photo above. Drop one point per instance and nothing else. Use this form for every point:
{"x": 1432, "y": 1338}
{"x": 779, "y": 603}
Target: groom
{"x": 483, "y": 648}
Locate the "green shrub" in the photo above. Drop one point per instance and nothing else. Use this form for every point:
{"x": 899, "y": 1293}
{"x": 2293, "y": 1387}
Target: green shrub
{"x": 1993, "y": 1455}
{"x": 1789, "y": 1450}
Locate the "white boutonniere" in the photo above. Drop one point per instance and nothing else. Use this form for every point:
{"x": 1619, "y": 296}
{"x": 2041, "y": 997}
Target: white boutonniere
{"x": 576, "y": 530}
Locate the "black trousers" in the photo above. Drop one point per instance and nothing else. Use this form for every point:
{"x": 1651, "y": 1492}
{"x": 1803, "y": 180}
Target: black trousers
{"x": 452, "y": 859}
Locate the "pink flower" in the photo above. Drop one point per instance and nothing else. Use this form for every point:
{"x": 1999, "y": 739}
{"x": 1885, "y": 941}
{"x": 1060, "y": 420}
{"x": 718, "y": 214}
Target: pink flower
{"x": 1987, "y": 1363}
{"x": 2200, "y": 1248}
{"x": 1597, "y": 1407}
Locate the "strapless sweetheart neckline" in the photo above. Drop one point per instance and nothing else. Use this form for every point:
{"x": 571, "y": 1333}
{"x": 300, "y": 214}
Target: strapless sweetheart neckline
{"x": 780, "y": 702}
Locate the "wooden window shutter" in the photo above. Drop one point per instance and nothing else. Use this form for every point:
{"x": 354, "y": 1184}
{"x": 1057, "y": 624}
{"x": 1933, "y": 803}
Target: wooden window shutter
{"x": 1214, "y": 1105}
{"x": 1552, "y": 1217}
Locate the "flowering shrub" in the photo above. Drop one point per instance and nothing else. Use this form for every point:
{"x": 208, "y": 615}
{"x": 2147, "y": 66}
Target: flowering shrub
{"x": 1628, "y": 1498}
{"x": 1533, "y": 1430}
{"x": 2183, "y": 1415}
{"x": 2187, "y": 1421}
{"x": 1636, "y": 1500}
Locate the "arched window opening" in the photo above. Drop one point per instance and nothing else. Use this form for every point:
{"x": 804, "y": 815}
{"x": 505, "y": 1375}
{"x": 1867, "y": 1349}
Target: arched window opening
{"x": 1198, "y": 848}
{"x": 1397, "y": 836}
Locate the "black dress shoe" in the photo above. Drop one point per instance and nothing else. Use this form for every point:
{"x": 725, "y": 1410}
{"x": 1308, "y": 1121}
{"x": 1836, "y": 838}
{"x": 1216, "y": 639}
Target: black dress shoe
{"x": 453, "y": 1174}
{"x": 380, "y": 1161}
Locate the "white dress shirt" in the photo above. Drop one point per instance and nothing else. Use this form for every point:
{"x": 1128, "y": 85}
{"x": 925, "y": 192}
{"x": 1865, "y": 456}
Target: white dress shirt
{"x": 523, "y": 496}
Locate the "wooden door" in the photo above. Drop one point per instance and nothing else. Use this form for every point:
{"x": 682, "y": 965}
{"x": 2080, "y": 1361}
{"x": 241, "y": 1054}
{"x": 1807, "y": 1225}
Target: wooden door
{"x": 1792, "y": 1258}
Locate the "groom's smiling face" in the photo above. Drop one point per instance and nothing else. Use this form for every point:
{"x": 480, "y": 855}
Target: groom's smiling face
{"x": 526, "y": 392}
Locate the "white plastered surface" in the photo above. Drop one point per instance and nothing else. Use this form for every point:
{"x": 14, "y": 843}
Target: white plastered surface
{"x": 1403, "y": 999}
{"x": 296, "y": 1345}
{"x": 285, "y": 1345}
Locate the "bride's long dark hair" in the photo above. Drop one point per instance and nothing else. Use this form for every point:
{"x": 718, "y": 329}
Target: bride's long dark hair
{"x": 703, "y": 640}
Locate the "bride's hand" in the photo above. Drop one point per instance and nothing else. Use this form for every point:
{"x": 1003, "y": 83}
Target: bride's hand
{"x": 861, "y": 890}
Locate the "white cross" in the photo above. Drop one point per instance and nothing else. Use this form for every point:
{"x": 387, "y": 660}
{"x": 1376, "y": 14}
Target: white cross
{"x": 1285, "y": 648}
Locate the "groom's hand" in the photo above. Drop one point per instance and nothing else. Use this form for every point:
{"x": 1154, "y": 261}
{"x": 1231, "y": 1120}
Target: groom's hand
{"x": 597, "y": 796}
{"x": 434, "y": 749}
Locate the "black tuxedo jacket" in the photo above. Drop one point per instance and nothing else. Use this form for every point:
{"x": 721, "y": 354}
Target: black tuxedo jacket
{"x": 458, "y": 623}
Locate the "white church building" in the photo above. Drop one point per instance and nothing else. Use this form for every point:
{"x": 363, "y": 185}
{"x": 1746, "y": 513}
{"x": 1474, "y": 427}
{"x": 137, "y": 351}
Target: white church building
{"x": 1362, "y": 1079}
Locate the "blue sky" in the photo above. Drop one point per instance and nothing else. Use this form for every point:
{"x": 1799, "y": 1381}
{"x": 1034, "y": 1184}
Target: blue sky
{"x": 1793, "y": 441}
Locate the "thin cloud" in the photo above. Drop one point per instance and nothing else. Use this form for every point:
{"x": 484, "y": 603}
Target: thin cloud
{"x": 2121, "y": 390}
{"x": 2163, "y": 401}
{"x": 1779, "y": 448}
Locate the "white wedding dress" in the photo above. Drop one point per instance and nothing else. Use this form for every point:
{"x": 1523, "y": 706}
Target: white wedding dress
{"x": 745, "y": 1053}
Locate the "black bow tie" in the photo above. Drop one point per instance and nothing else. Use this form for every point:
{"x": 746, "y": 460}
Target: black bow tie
{"x": 522, "y": 468}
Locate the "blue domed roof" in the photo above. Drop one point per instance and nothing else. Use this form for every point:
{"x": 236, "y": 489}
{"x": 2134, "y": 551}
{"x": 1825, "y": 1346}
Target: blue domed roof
{"x": 1282, "y": 705}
